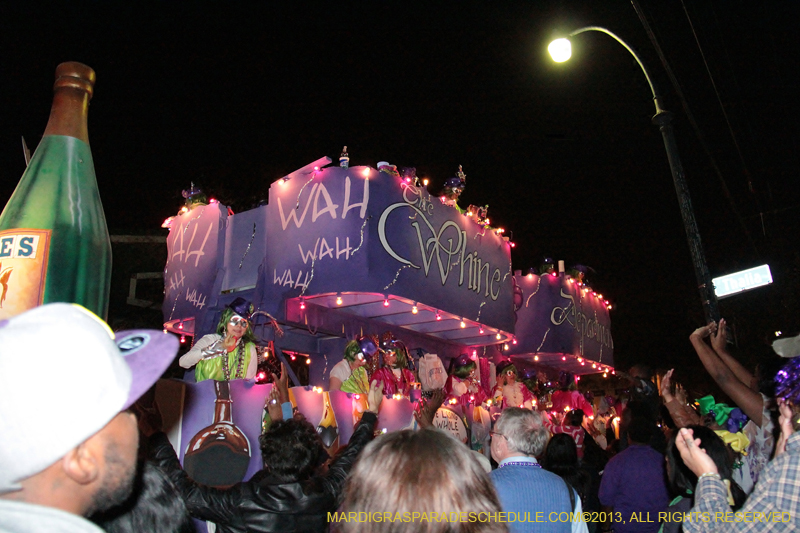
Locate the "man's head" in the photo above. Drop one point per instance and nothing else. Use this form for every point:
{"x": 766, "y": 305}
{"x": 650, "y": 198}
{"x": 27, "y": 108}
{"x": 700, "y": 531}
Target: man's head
{"x": 70, "y": 442}
{"x": 292, "y": 450}
{"x": 518, "y": 432}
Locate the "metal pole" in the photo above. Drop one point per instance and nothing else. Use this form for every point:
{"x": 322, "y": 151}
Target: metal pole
{"x": 663, "y": 119}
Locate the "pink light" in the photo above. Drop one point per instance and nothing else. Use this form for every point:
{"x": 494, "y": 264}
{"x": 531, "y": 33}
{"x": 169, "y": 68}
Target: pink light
{"x": 212, "y": 201}
{"x": 563, "y": 357}
{"x": 293, "y": 357}
{"x": 408, "y": 180}
{"x": 316, "y": 168}
{"x": 386, "y": 302}
{"x": 438, "y": 316}
{"x": 180, "y": 326}
{"x": 183, "y": 339}
{"x": 480, "y": 330}
{"x": 513, "y": 245}
{"x": 302, "y": 305}
{"x": 514, "y": 340}
{"x": 554, "y": 274}
{"x": 358, "y": 396}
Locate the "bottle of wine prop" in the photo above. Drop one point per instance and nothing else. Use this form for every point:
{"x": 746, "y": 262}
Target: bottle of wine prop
{"x": 54, "y": 244}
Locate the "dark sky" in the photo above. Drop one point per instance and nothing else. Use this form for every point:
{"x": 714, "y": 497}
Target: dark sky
{"x": 234, "y": 95}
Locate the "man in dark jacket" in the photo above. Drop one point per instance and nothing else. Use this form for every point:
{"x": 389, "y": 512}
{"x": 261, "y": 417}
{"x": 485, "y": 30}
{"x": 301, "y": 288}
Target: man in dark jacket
{"x": 290, "y": 493}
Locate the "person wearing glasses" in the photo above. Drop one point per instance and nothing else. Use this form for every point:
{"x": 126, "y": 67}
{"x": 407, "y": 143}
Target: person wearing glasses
{"x": 228, "y": 354}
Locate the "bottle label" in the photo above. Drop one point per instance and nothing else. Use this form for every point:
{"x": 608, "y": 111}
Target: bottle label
{"x": 23, "y": 268}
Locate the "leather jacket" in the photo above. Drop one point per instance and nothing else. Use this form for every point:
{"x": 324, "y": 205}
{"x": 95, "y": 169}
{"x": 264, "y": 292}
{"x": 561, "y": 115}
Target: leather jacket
{"x": 262, "y": 504}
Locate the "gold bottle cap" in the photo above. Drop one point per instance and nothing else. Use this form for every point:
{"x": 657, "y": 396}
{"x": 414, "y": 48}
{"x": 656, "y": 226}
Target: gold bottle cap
{"x": 75, "y": 75}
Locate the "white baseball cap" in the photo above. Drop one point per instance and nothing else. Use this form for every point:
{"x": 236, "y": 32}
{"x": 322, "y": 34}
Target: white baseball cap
{"x": 63, "y": 376}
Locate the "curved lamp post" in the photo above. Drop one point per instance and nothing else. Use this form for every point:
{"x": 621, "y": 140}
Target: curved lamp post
{"x": 561, "y": 50}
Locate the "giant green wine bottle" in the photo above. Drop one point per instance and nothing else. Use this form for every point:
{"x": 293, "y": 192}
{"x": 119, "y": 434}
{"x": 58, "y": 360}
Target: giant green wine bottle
{"x": 54, "y": 244}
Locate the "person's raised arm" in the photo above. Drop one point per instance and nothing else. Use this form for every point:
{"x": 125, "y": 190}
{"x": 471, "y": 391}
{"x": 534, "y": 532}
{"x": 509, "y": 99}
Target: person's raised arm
{"x": 719, "y": 341}
{"x": 749, "y": 401}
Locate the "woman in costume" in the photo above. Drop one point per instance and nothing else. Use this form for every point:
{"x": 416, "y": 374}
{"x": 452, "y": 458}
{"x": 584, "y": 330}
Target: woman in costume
{"x": 396, "y": 377}
{"x": 356, "y": 354}
{"x": 509, "y": 392}
{"x": 228, "y": 354}
{"x": 462, "y": 384}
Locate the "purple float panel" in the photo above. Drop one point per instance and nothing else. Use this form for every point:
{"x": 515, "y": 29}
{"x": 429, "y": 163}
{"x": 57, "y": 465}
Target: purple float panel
{"x": 561, "y": 325}
{"x": 354, "y": 240}
{"x": 245, "y": 247}
{"x": 193, "y": 260}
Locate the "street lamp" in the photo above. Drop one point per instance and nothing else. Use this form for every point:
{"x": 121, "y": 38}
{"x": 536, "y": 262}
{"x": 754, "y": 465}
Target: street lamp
{"x": 561, "y": 50}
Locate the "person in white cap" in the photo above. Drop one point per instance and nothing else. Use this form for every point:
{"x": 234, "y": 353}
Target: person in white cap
{"x": 69, "y": 442}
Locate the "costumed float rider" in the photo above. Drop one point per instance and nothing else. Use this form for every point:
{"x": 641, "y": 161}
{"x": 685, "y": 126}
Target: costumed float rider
{"x": 509, "y": 392}
{"x": 462, "y": 384}
{"x": 228, "y": 354}
{"x": 569, "y": 398}
{"x": 394, "y": 374}
{"x": 351, "y": 369}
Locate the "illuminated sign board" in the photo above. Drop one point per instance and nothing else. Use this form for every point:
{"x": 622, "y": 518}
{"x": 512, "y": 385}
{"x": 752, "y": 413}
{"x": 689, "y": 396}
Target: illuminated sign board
{"x": 745, "y": 280}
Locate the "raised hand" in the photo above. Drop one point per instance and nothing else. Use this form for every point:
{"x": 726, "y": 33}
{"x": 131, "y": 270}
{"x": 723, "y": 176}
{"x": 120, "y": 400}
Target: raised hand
{"x": 282, "y": 384}
{"x": 375, "y": 396}
{"x": 666, "y": 383}
{"x": 274, "y": 405}
{"x": 719, "y": 338}
{"x": 705, "y": 331}
{"x": 785, "y": 422}
{"x": 693, "y": 455}
{"x": 425, "y": 415}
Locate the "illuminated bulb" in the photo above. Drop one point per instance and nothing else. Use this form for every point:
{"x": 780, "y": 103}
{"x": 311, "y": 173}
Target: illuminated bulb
{"x": 284, "y": 180}
{"x": 777, "y": 333}
{"x": 180, "y": 326}
{"x": 414, "y": 310}
{"x": 183, "y": 339}
{"x": 488, "y": 402}
{"x": 338, "y": 300}
{"x": 463, "y": 325}
{"x": 302, "y": 305}
{"x": 571, "y": 280}
{"x": 486, "y": 221}
{"x": 316, "y": 168}
{"x": 580, "y": 359}
{"x": 308, "y": 361}
{"x": 560, "y": 50}
{"x": 474, "y": 354}
{"x": 438, "y": 316}
{"x": 582, "y": 363}
{"x": 453, "y": 401}
{"x": 605, "y": 374}
{"x": 165, "y": 330}
{"x": 293, "y": 357}
{"x": 212, "y": 201}
{"x": 469, "y": 213}
{"x": 366, "y": 172}
{"x": 497, "y": 336}
{"x": 554, "y": 274}
{"x": 408, "y": 180}
{"x": 535, "y": 357}
{"x": 505, "y": 346}
{"x": 514, "y": 340}
{"x": 530, "y": 276}
{"x": 594, "y": 365}
{"x": 386, "y": 302}
{"x": 609, "y": 306}
{"x": 599, "y": 296}
{"x": 184, "y": 209}
{"x": 480, "y": 330}
{"x": 472, "y": 397}
{"x": 512, "y": 244}
{"x": 563, "y": 357}
{"x": 613, "y": 372}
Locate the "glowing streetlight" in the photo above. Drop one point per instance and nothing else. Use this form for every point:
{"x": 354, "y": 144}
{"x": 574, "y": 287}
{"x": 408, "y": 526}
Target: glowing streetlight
{"x": 561, "y": 50}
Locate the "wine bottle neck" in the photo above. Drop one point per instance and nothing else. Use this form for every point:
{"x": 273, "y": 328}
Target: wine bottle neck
{"x": 68, "y": 116}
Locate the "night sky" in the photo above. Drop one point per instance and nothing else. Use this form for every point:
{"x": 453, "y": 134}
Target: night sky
{"x": 233, "y": 96}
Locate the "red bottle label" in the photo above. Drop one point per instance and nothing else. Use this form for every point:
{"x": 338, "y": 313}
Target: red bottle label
{"x": 23, "y": 269}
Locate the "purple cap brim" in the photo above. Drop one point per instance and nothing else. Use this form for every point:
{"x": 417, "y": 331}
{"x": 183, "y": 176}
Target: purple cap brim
{"x": 148, "y": 353}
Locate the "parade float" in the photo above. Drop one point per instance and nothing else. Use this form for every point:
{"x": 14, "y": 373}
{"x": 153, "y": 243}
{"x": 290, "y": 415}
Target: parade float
{"x": 340, "y": 253}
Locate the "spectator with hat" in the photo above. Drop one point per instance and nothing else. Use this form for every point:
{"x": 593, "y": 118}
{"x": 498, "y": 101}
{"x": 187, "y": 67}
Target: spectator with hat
{"x": 70, "y": 442}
